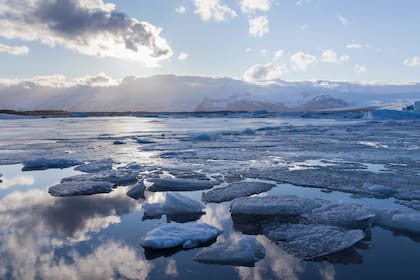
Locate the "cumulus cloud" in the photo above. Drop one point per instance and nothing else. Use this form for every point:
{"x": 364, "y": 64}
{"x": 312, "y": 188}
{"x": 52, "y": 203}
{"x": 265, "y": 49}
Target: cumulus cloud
{"x": 412, "y": 61}
{"x": 14, "y": 50}
{"x": 249, "y": 6}
{"x": 330, "y": 56}
{"x": 301, "y": 61}
{"x": 264, "y": 72}
{"x": 183, "y": 56}
{"x": 213, "y": 10}
{"x": 353, "y": 46}
{"x": 360, "y": 68}
{"x": 181, "y": 10}
{"x": 258, "y": 26}
{"x": 90, "y": 27}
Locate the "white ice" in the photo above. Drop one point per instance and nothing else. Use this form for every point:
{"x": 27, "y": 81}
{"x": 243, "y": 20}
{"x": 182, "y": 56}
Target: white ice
{"x": 46, "y": 163}
{"x": 136, "y": 191}
{"x": 176, "y": 184}
{"x": 397, "y": 219}
{"x": 173, "y": 204}
{"x": 246, "y": 252}
{"x": 235, "y": 190}
{"x": 80, "y": 188}
{"x": 283, "y": 205}
{"x": 186, "y": 235}
{"x": 96, "y": 166}
{"x": 340, "y": 214}
{"x": 117, "y": 177}
{"x": 312, "y": 241}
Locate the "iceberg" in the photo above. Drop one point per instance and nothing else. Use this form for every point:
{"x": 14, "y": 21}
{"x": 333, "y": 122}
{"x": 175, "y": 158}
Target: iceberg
{"x": 80, "y": 188}
{"x": 186, "y": 235}
{"x": 235, "y": 190}
{"x": 173, "y": 204}
{"x": 136, "y": 191}
{"x": 246, "y": 252}
{"x": 346, "y": 215}
{"x": 45, "y": 163}
{"x": 95, "y": 166}
{"x": 176, "y": 184}
{"x": 313, "y": 241}
{"x": 280, "y": 206}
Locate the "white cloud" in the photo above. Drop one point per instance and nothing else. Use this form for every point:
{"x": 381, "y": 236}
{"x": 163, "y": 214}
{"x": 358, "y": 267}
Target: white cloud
{"x": 90, "y": 27}
{"x": 330, "y": 56}
{"x": 358, "y": 68}
{"x": 258, "y": 26}
{"x": 249, "y": 6}
{"x": 264, "y": 72}
{"x": 279, "y": 53}
{"x": 248, "y": 50}
{"x": 14, "y": 50}
{"x": 412, "y": 61}
{"x": 353, "y": 46}
{"x": 183, "y": 56}
{"x": 343, "y": 20}
{"x": 213, "y": 10}
{"x": 302, "y": 61}
{"x": 181, "y": 10}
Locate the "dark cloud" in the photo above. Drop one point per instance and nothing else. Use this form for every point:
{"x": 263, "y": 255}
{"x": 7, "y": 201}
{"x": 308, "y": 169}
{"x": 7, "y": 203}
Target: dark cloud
{"x": 90, "y": 27}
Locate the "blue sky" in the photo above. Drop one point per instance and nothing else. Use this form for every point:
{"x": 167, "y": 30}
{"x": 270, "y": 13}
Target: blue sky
{"x": 313, "y": 39}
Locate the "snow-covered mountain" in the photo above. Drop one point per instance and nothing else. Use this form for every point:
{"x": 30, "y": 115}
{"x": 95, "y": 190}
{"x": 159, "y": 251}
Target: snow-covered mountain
{"x": 190, "y": 93}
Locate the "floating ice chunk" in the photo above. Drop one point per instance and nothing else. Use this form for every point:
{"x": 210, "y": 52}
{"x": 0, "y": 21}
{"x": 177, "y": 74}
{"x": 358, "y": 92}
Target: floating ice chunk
{"x": 392, "y": 114}
{"x": 80, "y": 188}
{"x": 246, "y": 252}
{"x": 137, "y": 190}
{"x": 45, "y": 163}
{"x": 248, "y": 131}
{"x": 347, "y": 215}
{"x": 176, "y": 184}
{"x": 117, "y": 177}
{"x": 95, "y": 166}
{"x": 118, "y": 142}
{"x": 201, "y": 137}
{"x": 234, "y": 190}
{"x": 186, "y": 235}
{"x": 397, "y": 219}
{"x": 312, "y": 241}
{"x": 283, "y": 205}
{"x": 173, "y": 204}
{"x": 378, "y": 190}
{"x": 134, "y": 166}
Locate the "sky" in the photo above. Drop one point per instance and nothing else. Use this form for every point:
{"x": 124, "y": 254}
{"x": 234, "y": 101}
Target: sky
{"x": 253, "y": 40}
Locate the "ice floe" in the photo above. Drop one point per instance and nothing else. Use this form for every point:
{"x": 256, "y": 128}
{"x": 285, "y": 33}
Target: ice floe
{"x": 173, "y": 204}
{"x": 396, "y": 219}
{"x": 186, "y": 235}
{"x": 347, "y": 215}
{"x": 80, "y": 188}
{"x": 46, "y": 163}
{"x": 246, "y": 252}
{"x": 117, "y": 177}
{"x": 136, "y": 191}
{"x": 235, "y": 190}
{"x": 95, "y": 166}
{"x": 176, "y": 184}
{"x": 281, "y": 206}
{"x": 312, "y": 241}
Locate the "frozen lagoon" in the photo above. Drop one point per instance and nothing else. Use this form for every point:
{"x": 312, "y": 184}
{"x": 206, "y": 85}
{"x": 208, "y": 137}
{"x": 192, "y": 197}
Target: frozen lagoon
{"x": 98, "y": 236}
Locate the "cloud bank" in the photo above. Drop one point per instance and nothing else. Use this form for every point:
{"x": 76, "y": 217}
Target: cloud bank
{"x": 90, "y": 27}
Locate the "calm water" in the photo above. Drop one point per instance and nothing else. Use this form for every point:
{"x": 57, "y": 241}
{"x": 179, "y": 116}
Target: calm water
{"x": 97, "y": 237}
